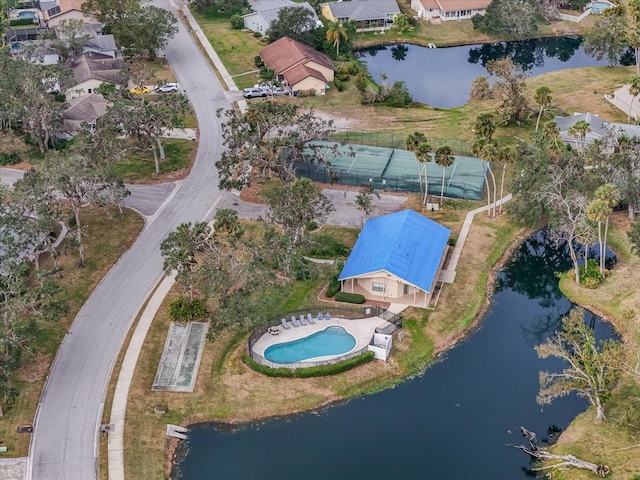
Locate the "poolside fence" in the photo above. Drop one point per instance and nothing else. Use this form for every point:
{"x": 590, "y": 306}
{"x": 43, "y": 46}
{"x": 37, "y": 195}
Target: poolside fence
{"x": 395, "y": 321}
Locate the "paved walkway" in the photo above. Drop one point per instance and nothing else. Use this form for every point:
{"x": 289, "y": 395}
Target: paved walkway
{"x": 233, "y": 93}
{"x": 449, "y": 275}
{"x": 115, "y": 446}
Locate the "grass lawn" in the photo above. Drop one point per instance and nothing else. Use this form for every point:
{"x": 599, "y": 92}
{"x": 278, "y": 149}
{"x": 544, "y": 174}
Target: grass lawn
{"x": 102, "y": 252}
{"x": 236, "y": 48}
{"x": 618, "y": 300}
{"x": 139, "y": 167}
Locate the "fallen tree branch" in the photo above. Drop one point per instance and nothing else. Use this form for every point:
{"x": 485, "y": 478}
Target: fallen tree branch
{"x": 565, "y": 460}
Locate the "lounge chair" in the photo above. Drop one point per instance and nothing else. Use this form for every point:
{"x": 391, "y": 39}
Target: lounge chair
{"x": 320, "y": 317}
{"x": 310, "y": 319}
{"x": 302, "y": 320}
{"x": 295, "y": 322}
{"x": 284, "y": 323}
{"x": 327, "y": 316}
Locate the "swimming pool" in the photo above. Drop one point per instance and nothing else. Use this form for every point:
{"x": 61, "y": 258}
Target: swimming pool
{"x": 599, "y": 7}
{"x": 333, "y": 340}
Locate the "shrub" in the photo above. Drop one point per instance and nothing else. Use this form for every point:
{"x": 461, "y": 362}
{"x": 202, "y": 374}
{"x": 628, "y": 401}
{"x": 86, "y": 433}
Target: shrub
{"x": 257, "y": 61}
{"x": 452, "y": 241}
{"x": 237, "y": 23}
{"x": 354, "y": 68}
{"x": 22, "y": 21}
{"x": 309, "y": 372}
{"x": 350, "y": 297}
{"x": 339, "y": 85}
{"x": 9, "y": 158}
{"x": 361, "y": 83}
{"x": 257, "y": 34}
{"x": 332, "y": 288}
{"x": 590, "y": 276}
{"x": 326, "y": 246}
{"x": 307, "y": 93}
{"x": 311, "y": 225}
{"x": 342, "y": 73}
{"x": 184, "y": 310}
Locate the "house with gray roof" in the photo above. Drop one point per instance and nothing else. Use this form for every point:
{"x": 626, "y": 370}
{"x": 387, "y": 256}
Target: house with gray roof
{"x": 266, "y": 11}
{"x": 599, "y": 129}
{"x": 90, "y": 70}
{"x": 83, "y": 110}
{"x": 102, "y": 44}
{"x": 368, "y": 14}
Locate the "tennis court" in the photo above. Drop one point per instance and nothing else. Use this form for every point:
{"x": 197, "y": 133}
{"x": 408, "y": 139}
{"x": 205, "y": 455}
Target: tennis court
{"x": 393, "y": 169}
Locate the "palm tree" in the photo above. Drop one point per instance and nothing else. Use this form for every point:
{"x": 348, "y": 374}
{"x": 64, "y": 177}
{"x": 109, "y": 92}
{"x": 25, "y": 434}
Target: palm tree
{"x": 335, "y": 33}
{"x": 543, "y": 98}
{"x": 484, "y": 127}
{"x": 610, "y": 195}
{"x": 444, "y": 157}
{"x": 551, "y": 135}
{"x": 598, "y": 211}
{"x": 487, "y": 151}
{"x": 580, "y": 130}
{"x": 506, "y": 156}
{"x": 634, "y": 91}
{"x": 417, "y": 143}
{"x": 423, "y": 155}
{"x": 633, "y": 34}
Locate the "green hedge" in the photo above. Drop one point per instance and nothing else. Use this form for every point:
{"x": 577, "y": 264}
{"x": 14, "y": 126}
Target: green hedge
{"x": 22, "y": 21}
{"x": 9, "y": 158}
{"x": 332, "y": 288}
{"x": 349, "y": 297}
{"x": 309, "y": 372}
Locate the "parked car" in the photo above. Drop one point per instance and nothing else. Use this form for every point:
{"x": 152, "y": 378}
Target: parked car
{"x": 279, "y": 91}
{"x": 139, "y": 90}
{"x": 255, "y": 92}
{"x": 166, "y": 88}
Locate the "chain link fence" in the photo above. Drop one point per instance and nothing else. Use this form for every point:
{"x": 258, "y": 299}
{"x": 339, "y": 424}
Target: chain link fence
{"x": 397, "y": 140}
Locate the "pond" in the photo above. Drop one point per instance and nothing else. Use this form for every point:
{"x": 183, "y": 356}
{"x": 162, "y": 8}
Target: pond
{"x": 442, "y": 77}
{"x": 455, "y": 421}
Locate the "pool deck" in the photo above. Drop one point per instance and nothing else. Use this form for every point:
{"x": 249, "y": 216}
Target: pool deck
{"x": 362, "y": 329}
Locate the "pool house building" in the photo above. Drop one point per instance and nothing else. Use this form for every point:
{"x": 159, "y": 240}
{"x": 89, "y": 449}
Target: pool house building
{"x": 397, "y": 259}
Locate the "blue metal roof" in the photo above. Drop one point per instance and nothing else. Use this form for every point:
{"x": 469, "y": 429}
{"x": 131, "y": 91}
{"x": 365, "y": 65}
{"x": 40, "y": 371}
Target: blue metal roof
{"x": 405, "y": 244}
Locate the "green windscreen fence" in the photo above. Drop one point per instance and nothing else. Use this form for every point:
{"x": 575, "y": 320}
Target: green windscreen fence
{"x": 391, "y": 169}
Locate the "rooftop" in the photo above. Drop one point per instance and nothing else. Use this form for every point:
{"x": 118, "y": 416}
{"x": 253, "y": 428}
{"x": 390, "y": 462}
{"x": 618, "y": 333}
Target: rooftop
{"x": 405, "y": 244}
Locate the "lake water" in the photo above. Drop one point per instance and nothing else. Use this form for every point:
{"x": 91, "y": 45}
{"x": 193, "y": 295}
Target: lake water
{"x": 442, "y": 77}
{"x": 455, "y": 421}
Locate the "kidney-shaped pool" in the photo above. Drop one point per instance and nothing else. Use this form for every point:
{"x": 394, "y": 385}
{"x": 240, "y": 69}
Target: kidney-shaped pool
{"x": 333, "y": 340}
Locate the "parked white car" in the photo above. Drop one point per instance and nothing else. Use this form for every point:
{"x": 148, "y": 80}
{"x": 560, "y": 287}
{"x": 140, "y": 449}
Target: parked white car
{"x": 279, "y": 91}
{"x": 166, "y": 88}
{"x": 255, "y": 92}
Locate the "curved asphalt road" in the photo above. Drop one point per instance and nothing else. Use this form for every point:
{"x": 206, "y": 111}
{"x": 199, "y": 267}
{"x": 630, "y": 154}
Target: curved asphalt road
{"x": 64, "y": 442}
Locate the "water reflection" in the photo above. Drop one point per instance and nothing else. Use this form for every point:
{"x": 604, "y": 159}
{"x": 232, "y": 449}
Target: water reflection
{"x": 442, "y": 77}
{"x": 527, "y": 53}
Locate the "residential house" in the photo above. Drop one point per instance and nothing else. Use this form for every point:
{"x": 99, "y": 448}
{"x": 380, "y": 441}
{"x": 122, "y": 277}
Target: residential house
{"x": 368, "y": 14}
{"x": 67, "y": 10}
{"x": 86, "y": 109}
{"x": 90, "y": 70}
{"x": 396, "y": 259}
{"x": 103, "y": 45}
{"x": 599, "y": 129}
{"x": 626, "y": 102}
{"x": 436, "y": 11}
{"x": 36, "y": 51}
{"x": 266, "y": 11}
{"x": 298, "y": 65}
